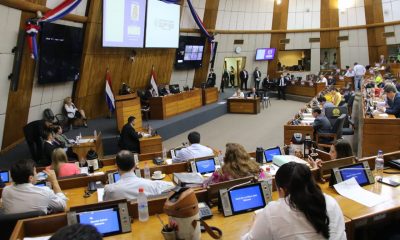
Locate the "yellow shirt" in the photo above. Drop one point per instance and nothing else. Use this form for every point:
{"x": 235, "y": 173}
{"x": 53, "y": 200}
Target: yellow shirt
{"x": 378, "y": 80}
{"x": 337, "y": 98}
{"x": 329, "y": 97}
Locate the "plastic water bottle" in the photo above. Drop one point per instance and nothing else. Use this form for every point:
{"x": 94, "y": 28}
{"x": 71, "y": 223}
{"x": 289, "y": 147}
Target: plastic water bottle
{"x": 379, "y": 165}
{"x": 164, "y": 154}
{"x": 143, "y": 208}
{"x": 146, "y": 171}
{"x": 220, "y": 158}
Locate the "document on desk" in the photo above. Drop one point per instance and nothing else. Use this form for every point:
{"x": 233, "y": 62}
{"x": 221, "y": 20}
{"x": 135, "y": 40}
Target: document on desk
{"x": 38, "y": 238}
{"x": 86, "y": 140}
{"x": 352, "y": 190}
{"x": 100, "y": 194}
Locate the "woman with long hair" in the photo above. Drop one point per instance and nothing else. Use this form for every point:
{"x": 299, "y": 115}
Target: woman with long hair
{"x": 60, "y": 164}
{"x": 301, "y": 212}
{"x": 340, "y": 149}
{"x": 73, "y": 112}
{"x": 237, "y": 164}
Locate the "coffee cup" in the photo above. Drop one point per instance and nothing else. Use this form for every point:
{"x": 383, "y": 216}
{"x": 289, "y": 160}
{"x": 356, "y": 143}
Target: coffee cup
{"x": 157, "y": 174}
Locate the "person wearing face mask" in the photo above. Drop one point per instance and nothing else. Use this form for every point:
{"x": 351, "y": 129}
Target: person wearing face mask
{"x": 23, "y": 196}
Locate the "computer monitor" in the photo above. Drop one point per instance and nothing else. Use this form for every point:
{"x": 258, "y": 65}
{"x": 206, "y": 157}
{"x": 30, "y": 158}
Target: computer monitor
{"x": 174, "y": 88}
{"x": 357, "y": 171}
{"x": 271, "y": 152}
{"x": 5, "y": 176}
{"x": 116, "y": 176}
{"x": 205, "y": 166}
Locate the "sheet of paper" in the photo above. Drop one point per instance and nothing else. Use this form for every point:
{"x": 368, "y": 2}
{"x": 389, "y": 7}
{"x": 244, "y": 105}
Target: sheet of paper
{"x": 38, "y": 238}
{"x": 352, "y": 190}
{"x": 100, "y": 194}
{"x": 85, "y": 140}
{"x": 383, "y": 115}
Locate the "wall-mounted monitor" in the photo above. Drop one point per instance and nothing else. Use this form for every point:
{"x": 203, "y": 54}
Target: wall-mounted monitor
{"x": 162, "y": 25}
{"x": 265, "y": 54}
{"x": 190, "y": 52}
{"x": 60, "y": 53}
{"x": 124, "y": 23}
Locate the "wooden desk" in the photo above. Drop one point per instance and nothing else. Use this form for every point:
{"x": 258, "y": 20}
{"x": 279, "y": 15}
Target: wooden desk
{"x": 210, "y": 95}
{"x": 289, "y": 130}
{"x": 241, "y": 105}
{"x": 82, "y": 149}
{"x": 150, "y": 144}
{"x": 171, "y": 105}
{"x": 125, "y": 106}
{"x": 305, "y": 90}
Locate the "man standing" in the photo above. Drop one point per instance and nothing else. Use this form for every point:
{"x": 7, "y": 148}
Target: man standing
{"x": 257, "y": 78}
{"x": 244, "y": 76}
{"x": 224, "y": 80}
{"x": 281, "y": 87}
{"x": 211, "y": 78}
{"x": 359, "y": 71}
{"x": 129, "y": 138}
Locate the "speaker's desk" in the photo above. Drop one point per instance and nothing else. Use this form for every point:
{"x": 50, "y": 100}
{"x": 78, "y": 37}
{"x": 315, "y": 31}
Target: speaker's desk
{"x": 244, "y": 105}
{"x": 210, "y": 95}
{"x": 171, "y": 105}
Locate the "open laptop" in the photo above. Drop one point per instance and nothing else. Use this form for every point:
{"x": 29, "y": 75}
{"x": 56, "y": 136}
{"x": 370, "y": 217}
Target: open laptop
{"x": 271, "y": 152}
{"x": 113, "y": 177}
{"x": 204, "y": 165}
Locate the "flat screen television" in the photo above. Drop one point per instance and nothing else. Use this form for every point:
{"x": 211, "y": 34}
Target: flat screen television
{"x": 265, "y": 54}
{"x": 190, "y": 52}
{"x": 124, "y": 23}
{"x": 60, "y": 52}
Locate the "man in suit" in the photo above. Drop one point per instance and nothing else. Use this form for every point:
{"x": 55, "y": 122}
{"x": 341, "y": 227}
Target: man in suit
{"x": 257, "y": 78}
{"x": 253, "y": 93}
{"x": 282, "y": 87}
{"x": 321, "y": 123}
{"x": 244, "y": 76}
{"x": 129, "y": 138}
{"x": 393, "y": 100}
{"x": 211, "y": 78}
{"x": 224, "y": 80}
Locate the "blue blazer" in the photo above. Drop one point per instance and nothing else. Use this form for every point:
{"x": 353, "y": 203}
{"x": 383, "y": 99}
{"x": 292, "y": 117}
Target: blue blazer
{"x": 394, "y": 106}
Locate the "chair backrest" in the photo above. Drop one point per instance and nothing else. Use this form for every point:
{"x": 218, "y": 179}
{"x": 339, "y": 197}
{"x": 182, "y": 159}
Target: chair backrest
{"x": 8, "y": 221}
{"x": 351, "y": 100}
{"x": 213, "y": 189}
{"x": 338, "y": 126}
{"x": 48, "y": 115}
{"x": 333, "y": 113}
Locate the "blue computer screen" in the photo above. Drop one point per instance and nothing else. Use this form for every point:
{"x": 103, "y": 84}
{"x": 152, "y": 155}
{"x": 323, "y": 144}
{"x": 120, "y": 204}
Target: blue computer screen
{"x": 205, "y": 166}
{"x": 106, "y": 221}
{"x": 116, "y": 177}
{"x": 270, "y": 153}
{"x": 40, "y": 184}
{"x": 5, "y": 177}
{"x": 357, "y": 171}
{"x": 246, "y": 198}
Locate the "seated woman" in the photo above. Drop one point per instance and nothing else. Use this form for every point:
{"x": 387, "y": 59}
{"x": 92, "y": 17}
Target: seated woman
{"x": 64, "y": 142}
{"x": 73, "y": 112}
{"x": 238, "y": 94}
{"x": 340, "y": 149}
{"x": 237, "y": 164}
{"x": 60, "y": 164}
{"x": 301, "y": 212}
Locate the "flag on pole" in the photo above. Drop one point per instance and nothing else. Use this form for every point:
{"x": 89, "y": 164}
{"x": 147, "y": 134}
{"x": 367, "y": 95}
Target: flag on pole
{"x": 154, "y": 90}
{"x": 109, "y": 94}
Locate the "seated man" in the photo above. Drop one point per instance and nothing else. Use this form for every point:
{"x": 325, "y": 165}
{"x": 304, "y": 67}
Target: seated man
{"x": 195, "y": 150}
{"x": 129, "y": 138}
{"x": 22, "y": 196}
{"x": 253, "y": 93}
{"x": 238, "y": 94}
{"x": 128, "y": 186}
{"x": 321, "y": 123}
{"x": 325, "y": 104}
{"x": 393, "y": 100}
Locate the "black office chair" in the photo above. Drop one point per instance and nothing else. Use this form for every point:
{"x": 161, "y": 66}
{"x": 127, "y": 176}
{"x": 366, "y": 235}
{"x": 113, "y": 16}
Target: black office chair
{"x": 8, "y": 221}
{"x": 332, "y": 113}
{"x": 33, "y": 136}
{"x": 144, "y": 103}
{"x": 350, "y": 103}
{"x": 325, "y": 140}
{"x": 58, "y": 119}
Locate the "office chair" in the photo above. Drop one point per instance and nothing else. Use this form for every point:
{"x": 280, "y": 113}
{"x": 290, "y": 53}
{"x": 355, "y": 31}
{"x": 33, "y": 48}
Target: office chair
{"x": 265, "y": 99}
{"x": 144, "y": 103}
{"x": 325, "y": 140}
{"x": 8, "y": 221}
{"x": 332, "y": 113}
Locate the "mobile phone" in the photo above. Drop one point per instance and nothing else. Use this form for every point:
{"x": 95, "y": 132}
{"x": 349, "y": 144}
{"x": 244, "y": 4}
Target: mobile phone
{"x": 389, "y": 182}
{"x": 41, "y": 176}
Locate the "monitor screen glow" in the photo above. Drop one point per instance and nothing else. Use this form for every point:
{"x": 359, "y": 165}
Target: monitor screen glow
{"x": 116, "y": 177}
{"x": 265, "y": 54}
{"x": 357, "y": 171}
{"x": 270, "y": 153}
{"x": 5, "y": 176}
{"x": 106, "y": 221}
{"x": 205, "y": 166}
{"x": 247, "y": 198}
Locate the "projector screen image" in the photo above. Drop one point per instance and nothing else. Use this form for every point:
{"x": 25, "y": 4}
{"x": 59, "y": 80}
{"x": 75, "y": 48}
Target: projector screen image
{"x": 246, "y": 198}
{"x": 193, "y": 53}
{"x": 355, "y": 171}
{"x": 205, "y": 166}
{"x": 162, "y": 26}
{"x": 106, "y": 221}
{"x": 123, "y": 23}
{"x": 265, "y": 54}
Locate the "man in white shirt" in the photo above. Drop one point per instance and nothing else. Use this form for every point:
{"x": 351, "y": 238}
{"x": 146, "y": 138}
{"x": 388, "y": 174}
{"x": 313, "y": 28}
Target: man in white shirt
{"x": 128, "y": 185}
{"x": 349, "y": 72}
{"x": 195, "y": 150}
{"x": 23, "y": 196}
{"x": 322, "y": 79}
{"x": 359, "y": 72}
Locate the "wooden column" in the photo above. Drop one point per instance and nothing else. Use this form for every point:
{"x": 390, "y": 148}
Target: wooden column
{"x": 209, "y": 20}
{"x": 376, "y": 41}
{"x": 19, "y": 102}
{"x": 279, "y": 22}
{"x": 330, "y": 19}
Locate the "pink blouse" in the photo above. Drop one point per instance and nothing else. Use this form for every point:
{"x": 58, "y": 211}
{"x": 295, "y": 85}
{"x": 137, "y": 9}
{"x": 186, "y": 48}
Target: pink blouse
{"x": 67, "y": 169}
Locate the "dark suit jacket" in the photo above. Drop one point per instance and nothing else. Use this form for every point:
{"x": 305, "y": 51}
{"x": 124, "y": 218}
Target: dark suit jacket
{"x": 129, "y": 139}
{"x": 394, "y": 106}
{"x": 257, "y": 74}
{"x": 242, "y": 76}
{"x": 48, "y": 151}
{"x": 322, "y": 125}
{"x": 211, "y": 79}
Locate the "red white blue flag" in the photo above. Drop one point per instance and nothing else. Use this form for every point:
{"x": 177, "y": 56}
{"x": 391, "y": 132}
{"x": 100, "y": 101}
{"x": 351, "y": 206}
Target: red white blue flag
{"x": 109, "y": 93}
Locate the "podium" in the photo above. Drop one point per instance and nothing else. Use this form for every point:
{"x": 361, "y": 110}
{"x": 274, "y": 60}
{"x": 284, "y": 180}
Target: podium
{"x": 125, "y": 106}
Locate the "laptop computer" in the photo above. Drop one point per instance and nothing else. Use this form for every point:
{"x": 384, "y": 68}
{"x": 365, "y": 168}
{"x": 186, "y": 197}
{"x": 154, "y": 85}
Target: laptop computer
{"x": 271, "y": 152}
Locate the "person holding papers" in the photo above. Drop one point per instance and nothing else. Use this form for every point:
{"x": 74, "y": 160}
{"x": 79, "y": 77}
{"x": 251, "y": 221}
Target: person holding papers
{"x": 195, "y": 150}
{"x": 393, "y": 100}
{"x": 237, "y": 164}
{"x": 128, "y": 186}
{"x": 301, "y": 212}
{"x": 238, "y": 94}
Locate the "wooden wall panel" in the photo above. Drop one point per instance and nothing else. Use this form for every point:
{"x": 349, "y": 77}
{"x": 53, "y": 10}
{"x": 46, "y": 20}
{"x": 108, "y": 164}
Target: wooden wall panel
{"x": 376, "y": 41}
{"x": 210, "y": 21}
{"x": 90, "y": 93}
{"x": 329, "y": 19}
{"x": 19, "y": 102}
{"x": 279, "y": 22}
